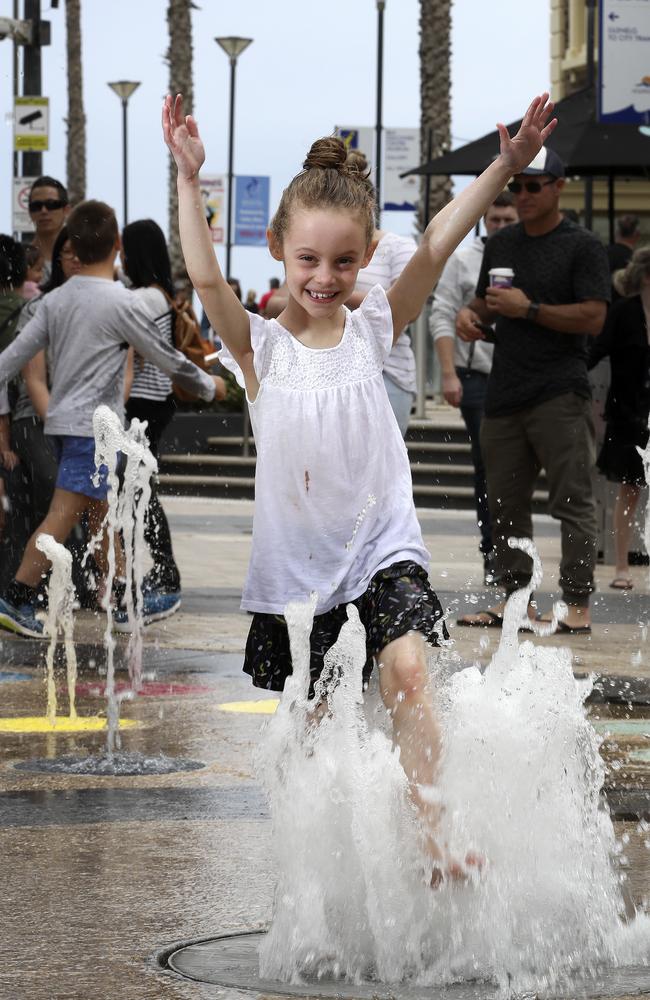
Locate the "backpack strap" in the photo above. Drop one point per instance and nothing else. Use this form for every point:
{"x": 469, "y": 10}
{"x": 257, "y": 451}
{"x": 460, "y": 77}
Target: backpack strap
{"x": 12, "y": 315}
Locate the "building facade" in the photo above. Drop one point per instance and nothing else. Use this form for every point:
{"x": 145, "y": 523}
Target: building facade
{"x": 569, "y": 29}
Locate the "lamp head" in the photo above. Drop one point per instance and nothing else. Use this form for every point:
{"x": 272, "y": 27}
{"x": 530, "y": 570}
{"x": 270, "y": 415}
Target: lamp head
{"x": 124, "y": 88}
{"x": 232, "y": 46}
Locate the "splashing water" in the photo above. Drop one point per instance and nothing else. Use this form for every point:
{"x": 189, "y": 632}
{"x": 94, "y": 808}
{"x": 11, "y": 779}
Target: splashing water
{"x": 59, "y": 619}
{"x": 126, "y": 512}
{"x": 520, "y": 781}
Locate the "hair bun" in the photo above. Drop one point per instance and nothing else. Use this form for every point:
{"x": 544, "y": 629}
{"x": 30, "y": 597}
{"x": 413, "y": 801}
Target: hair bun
{"x": 327, "y": 154}
{"x": 357, "y": 163}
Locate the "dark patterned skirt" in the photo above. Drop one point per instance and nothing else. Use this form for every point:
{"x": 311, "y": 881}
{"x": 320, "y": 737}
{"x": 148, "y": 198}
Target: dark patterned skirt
{"x": 399, "y": 599}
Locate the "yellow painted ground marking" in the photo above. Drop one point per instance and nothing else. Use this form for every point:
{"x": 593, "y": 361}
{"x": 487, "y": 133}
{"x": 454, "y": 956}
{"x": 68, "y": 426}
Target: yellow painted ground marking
{"x": 64, "y": 724}
{"x": 263, "y": 706}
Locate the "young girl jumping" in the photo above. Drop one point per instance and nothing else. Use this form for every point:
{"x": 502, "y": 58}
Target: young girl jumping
{"x": 334, "y": 510}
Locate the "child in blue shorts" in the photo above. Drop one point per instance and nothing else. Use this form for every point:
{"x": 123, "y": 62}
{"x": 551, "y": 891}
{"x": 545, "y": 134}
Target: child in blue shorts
{"x": 86, "y": 326}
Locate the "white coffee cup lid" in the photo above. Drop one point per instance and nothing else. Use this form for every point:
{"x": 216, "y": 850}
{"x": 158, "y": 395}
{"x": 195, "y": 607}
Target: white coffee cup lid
{"x": 502, "y": 272}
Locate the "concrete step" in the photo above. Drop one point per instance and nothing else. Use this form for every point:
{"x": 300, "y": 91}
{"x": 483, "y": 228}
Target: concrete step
{"x": 221, "y": 487}
{"x": 209, "y": 465}
{"x": 229, "y": 444}
{"x": 439, "y": 447}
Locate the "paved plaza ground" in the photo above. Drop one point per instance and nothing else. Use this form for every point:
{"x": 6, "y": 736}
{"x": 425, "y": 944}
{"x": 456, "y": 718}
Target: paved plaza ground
{"x": 100, "y": 874}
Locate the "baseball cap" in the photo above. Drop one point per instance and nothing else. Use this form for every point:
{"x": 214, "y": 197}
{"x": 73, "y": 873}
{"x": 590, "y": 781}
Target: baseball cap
{"x": 546, "y": 162}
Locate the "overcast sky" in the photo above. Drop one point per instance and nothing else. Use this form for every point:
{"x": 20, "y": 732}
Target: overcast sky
{"x": 311, "y": 65}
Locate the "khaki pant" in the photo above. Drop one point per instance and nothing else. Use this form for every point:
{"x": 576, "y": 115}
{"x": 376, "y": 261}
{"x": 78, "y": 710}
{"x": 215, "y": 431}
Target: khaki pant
{"x": 558, "y": 436}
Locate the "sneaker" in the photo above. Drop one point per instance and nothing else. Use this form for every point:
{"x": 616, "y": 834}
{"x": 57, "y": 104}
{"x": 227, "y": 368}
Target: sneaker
{"x": 21, "y": 620}
{"x": 154, "y": 580}
{"x": 156, "y": 605}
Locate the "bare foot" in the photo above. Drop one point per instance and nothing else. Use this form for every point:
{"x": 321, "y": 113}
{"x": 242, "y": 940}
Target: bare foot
{"x": 577, "y": 620}
{"x": 456, "y": 871}
{"x": 491, "y": 617}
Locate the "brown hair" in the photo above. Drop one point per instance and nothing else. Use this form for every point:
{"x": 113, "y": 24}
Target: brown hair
{"x": 629, "y": 281}
{"x": 92, "y": 231}
{"x": 33, "y": 254}
{"x": 503, "y": 200}
{"x": 327, "y": 180}
{"x": 627, "y": 226}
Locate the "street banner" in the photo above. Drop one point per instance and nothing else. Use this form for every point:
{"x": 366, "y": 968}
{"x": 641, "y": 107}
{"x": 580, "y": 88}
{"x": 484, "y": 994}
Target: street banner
{"x": 31, "y": 124}
{"x": 401, "y": 153}
{"x": 20, "y": 219}
{"x": 252, "y": 199}
{"x": 213, "y": 193}
{"x": 361, "y": 138}
{"x": 624, "y": 62}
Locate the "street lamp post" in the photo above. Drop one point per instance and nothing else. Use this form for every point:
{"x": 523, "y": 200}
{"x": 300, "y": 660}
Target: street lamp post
{"x": 124, "y": 89}
{"x": 233, "y": 47}
{"x": 381, "y": 6}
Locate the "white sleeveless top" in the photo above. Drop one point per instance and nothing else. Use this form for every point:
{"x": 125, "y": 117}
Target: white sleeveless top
{"x": 333, "y": 492}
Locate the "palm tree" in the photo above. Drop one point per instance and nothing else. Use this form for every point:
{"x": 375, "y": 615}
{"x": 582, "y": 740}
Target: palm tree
{"x": 435, "y": 93}
{"x": 179, "y": 58}
{"x": 76, "y": 120}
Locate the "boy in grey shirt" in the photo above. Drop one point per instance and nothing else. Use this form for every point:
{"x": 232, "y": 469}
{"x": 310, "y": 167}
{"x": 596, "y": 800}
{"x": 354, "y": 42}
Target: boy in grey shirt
{"x": 86, "y": 327}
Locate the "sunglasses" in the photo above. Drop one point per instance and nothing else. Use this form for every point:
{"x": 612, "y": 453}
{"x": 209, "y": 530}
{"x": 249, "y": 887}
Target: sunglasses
{"x": 51, "y": 204}
{"x": 532, "y": 187}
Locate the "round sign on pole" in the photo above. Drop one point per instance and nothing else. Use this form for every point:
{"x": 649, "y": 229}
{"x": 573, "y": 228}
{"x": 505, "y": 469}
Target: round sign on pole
{"x": 21, "y": 222}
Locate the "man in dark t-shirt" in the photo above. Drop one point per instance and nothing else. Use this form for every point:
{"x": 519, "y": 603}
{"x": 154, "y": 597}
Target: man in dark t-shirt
{"x": 538, "y": 412}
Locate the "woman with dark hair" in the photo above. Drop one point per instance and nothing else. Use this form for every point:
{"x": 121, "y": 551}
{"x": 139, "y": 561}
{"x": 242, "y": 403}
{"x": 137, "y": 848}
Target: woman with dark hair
{"x": 625, "y": 339}
{"x": 146, "y": 264}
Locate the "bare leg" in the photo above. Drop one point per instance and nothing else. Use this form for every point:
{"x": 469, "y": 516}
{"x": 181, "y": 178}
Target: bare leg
{"x": 405, "y": 693}
{"x": 65, "y": 512}
{"x": 624, "y": 509}
{"x": 97, "y": 510}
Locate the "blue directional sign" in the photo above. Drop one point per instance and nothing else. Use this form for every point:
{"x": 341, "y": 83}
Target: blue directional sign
{"x": 251, "y": 210}
{"x": 624, "y": 62}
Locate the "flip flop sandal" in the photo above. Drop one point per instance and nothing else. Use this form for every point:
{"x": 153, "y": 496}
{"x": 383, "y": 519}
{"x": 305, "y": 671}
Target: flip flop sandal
{"x": 494, "y": 621}
{"x": 576, "y": 630}
{"x": 621, "y": 583}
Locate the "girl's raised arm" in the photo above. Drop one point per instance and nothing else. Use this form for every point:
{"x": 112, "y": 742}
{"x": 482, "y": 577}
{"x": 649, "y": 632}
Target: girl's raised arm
{"x": 443, "y": 234}
{"x": 226, "y": 314}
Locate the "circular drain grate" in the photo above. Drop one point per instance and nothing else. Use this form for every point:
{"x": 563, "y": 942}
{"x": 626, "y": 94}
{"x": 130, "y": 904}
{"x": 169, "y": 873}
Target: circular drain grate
{"x": 121, "y": 764}
{"x": 231, "y": 961}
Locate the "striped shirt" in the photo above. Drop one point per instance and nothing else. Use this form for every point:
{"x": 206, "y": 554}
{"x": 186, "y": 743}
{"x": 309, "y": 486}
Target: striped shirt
{"x": 391, "y": 256}
{"x": 149, "y": 382}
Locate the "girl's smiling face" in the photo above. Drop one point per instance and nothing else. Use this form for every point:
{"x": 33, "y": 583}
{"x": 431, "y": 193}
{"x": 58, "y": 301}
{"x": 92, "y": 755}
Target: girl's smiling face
{"x": 323, "y": 250}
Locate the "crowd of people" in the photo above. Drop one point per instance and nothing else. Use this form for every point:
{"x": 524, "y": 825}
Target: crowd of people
{"x": 519, "y": 315}
{"x": 93, "y": 333}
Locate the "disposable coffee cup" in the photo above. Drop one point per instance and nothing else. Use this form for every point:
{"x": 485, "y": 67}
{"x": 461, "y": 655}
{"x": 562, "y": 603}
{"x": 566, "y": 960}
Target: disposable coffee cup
{"x": 501, "y": 277}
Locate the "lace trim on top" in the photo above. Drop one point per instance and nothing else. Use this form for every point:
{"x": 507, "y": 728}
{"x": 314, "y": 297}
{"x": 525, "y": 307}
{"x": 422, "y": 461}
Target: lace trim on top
{"x": 282, "y": 361}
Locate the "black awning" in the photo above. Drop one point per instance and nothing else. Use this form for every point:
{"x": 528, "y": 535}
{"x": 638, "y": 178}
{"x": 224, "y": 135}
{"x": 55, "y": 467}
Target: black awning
{"x": 587, "y": 147}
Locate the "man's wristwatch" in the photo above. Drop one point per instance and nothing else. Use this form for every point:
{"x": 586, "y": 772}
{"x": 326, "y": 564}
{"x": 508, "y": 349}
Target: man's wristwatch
{"x": 533, "y": 309}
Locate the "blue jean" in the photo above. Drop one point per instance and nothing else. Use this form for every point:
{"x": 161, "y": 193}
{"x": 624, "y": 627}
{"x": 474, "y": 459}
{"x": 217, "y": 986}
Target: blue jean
{"x": 401, "y": 401}
{"x": 472, "y": 407}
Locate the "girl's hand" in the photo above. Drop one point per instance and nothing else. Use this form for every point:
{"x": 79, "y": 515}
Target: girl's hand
{"x": 533, "y": 132}
{"x": 181, "y": 134}
{"x": 9, "y": 459}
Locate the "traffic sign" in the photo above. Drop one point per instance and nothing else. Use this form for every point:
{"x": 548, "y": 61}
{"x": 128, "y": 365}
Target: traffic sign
{"x": 31, "y": 123}
{"x": 21, "y": 221}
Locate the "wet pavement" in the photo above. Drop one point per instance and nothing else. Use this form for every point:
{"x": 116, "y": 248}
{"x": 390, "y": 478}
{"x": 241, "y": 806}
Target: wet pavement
{"x": 99, "y": 875}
